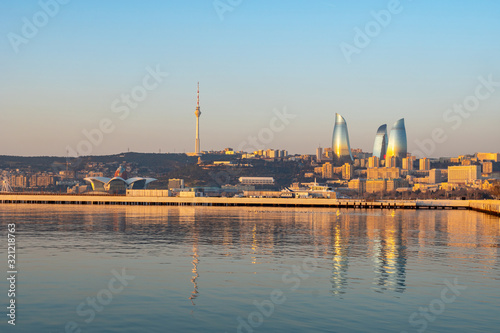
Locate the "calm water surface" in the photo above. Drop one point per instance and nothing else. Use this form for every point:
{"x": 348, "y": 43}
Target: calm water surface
{"x": 185, "y": 269}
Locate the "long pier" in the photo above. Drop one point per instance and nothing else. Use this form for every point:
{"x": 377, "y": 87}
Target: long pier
{"x": 487, "y": 206}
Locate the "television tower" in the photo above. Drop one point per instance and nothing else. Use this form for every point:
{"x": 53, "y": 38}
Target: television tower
{"x": 197, "y": 113}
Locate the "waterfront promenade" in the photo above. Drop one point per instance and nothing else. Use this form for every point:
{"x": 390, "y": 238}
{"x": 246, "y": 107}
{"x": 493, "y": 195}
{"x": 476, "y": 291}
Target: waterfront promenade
{"x": 487, "y": 206}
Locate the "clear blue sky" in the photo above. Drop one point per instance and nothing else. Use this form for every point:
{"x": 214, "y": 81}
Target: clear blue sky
{"x": 263, "y": 55}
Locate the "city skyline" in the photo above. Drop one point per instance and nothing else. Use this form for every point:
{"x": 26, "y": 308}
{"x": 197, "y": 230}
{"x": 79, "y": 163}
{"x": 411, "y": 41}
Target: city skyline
{"x": 65, "y": 78}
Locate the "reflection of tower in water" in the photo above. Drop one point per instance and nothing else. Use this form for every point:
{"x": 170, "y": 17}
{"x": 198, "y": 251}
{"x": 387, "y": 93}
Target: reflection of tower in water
{"x": 195, "y": 276}
{"x": 390, "y": 258}
{"x": 196, "y": 260}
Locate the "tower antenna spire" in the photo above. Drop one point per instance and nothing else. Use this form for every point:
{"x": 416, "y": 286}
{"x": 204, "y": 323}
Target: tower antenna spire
{"x": 197, "y": 114}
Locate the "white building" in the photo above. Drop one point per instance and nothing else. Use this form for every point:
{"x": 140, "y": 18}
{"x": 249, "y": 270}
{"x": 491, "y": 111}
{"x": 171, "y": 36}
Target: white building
{"x": 463, "y": 174}
{"x": 257, "y": 180}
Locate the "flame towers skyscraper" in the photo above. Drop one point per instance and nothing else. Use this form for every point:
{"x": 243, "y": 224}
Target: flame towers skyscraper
{"x": 380, "y": 145}
{"x": 398, "y": 146}
{"x": 340, "y": 142}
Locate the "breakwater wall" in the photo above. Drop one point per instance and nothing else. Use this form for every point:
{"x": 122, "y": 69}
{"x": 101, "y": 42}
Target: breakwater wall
{"x": 487, "y": 206}
{"x": 196, "y": 201}
{"x": 82, "y": 199}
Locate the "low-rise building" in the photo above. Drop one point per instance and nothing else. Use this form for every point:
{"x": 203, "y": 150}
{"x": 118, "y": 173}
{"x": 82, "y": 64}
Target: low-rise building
{"x": 435, "y": 176}
{"x": 358, "y": 185}
{"x": 262, "y": 194}
{"x": 148, "y": 193}
{"x": 257, "y": 180}
{"x": 237, "y": 188}
{"x": 495, "y": 157}
{"x": 376, "y": 185}
{"x": 426, "y": 187}
{"x": 487, "y": 167}
{"x": 394, "y": 184}
{"x": 463, "y": 174}
{"x": 383, "y": 173}
{"x": 41, "y": 180}
{"x": 175, "y": 183}
{"x": 450, "y": 186}
{"x": 19, "y": 181}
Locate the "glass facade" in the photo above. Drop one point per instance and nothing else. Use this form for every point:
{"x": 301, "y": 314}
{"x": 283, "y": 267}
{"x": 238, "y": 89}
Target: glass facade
{"x": 398, "y": 146}
{"x": 340, "y": 142}
{"x": 380, "y": 145}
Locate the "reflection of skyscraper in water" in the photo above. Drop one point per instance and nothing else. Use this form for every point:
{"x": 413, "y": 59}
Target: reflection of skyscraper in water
{"x": 255, "y": 244}
{"x": 119, "y": 221}
{"x": 431, "y": 233}
{"x": 340, "y": 260}
{"x": 227, "y": 240}
{"x": 390, "y": 259}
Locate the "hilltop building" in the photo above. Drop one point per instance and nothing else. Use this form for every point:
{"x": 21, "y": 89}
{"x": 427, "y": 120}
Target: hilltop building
{"x": 319, "y": 154}
{"x": 494, "y": 157}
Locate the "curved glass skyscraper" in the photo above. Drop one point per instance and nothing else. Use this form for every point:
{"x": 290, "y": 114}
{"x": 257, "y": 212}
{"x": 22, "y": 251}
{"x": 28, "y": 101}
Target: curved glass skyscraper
{"x": 340, "y": 142}
{"x": 380, "y": 145}
{"x": 398, "y": 146}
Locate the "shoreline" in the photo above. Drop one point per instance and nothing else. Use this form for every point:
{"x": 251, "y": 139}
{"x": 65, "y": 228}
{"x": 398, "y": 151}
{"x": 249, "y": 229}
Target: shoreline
{"x": 486, "y": 206}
